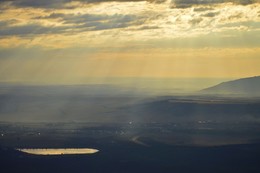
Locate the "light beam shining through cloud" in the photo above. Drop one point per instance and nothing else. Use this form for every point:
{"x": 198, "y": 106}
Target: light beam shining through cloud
{"x": 69, "y": 40}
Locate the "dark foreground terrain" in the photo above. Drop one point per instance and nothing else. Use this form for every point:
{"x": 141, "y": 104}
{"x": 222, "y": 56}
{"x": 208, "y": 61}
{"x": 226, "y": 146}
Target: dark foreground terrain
{"x": 134, "y": 133}
{"x": 126, "y": 157}
{"x": 134, "y": 148}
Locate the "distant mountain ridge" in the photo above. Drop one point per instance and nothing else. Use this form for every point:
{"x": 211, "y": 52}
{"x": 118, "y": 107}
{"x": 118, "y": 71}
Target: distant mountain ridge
{"x": 245, "y": 86}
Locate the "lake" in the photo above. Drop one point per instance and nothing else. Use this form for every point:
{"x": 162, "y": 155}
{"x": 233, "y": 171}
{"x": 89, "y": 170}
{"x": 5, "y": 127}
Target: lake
{"x": 58, "y": 151}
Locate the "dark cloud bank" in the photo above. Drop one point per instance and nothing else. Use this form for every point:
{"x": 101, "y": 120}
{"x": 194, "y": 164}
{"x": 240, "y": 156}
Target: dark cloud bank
{"x": 80, "y": 23}
{"x": 190, "y": 3}
{"x": 61, "y": 3}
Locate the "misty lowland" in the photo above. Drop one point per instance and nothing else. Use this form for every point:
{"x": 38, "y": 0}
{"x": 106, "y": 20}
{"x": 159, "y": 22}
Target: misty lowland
{"x": 113, "y": 128}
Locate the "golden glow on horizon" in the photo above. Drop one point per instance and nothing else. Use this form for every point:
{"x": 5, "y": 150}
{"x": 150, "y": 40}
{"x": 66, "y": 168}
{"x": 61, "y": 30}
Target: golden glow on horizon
{"x": 174, "y": 63}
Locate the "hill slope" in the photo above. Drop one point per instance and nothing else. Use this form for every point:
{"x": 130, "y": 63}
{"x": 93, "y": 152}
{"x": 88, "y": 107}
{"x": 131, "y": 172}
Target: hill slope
{"x": 245, "y": 86}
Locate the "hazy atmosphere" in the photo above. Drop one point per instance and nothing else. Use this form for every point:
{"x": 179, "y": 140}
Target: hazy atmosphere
{"x": 129, "y": 86}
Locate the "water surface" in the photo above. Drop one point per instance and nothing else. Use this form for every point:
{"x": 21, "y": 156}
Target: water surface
{"x": 59, "y": 151}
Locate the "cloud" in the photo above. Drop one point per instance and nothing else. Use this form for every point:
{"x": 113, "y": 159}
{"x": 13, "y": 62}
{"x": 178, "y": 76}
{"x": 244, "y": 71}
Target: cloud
{"x": 190, "y": 3}
{"x": 71, "y": 22}
{"x": 148, "y": 27}
{"x": 211, "y": 14}
{"x": 29, "y": 29}
{"x": 37, "y": 3}
{"x": 248, "y": 24}
{"x": 3, "y": 24}
{"x": 57, "y": 4}
{"x": 195, "y": 21}
{"x": 236, "y": 16}
{"x": 62, "y": 3}
{"x": 97, "y": 22}
{"x": 116, "y": 23}
{"x": 200, "y": 9}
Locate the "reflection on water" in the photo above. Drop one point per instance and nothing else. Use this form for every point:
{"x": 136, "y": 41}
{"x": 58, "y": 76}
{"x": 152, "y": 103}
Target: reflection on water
{"x": 59, "y": 151}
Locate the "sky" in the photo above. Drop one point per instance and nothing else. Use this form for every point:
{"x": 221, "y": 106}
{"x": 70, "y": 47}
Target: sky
{"x": 69, "y": 41}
